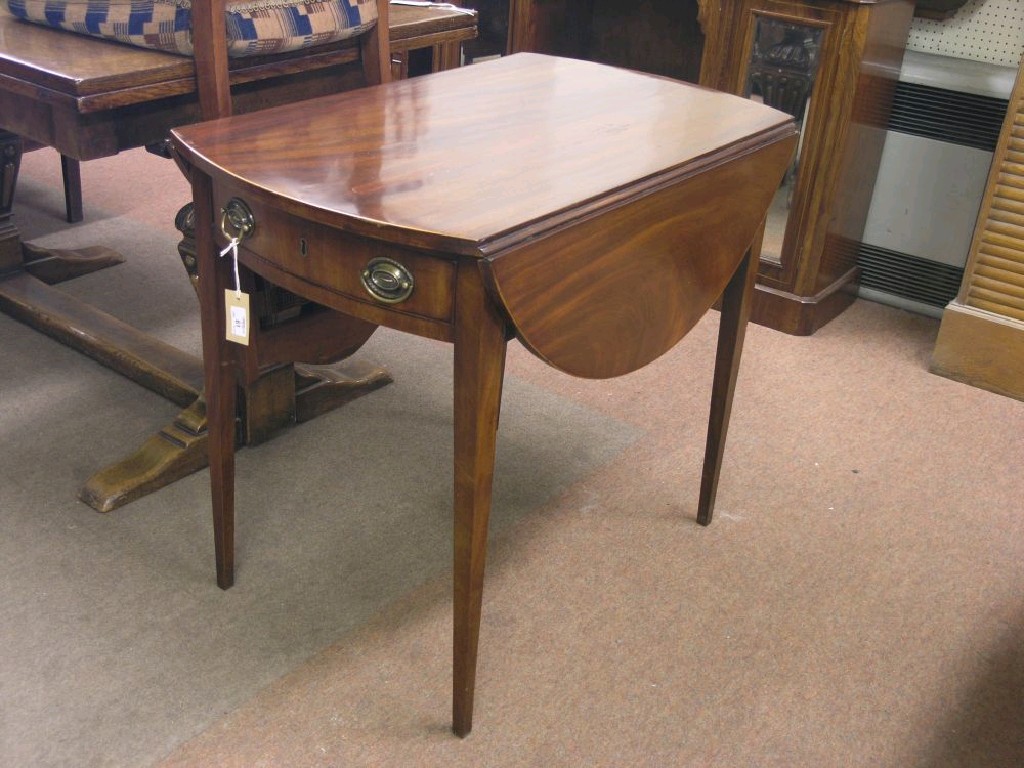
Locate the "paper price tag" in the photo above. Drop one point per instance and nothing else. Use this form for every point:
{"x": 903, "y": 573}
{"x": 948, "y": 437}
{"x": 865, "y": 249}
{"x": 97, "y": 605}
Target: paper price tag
{"x": 236, "y": 313}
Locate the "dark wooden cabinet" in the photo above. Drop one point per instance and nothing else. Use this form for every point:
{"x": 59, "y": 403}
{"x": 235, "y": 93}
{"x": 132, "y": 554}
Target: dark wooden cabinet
{"x": 661, "y": 37}
{"x": 834, "y": 66}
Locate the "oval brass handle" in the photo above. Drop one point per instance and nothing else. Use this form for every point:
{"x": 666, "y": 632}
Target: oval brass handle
{"x": 387, "y": 280}
{"x": 236, "y": 217}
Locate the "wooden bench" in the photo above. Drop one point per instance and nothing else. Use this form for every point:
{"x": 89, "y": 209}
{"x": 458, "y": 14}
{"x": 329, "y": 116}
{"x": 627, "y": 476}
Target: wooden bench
{"x": 90, "y": 98}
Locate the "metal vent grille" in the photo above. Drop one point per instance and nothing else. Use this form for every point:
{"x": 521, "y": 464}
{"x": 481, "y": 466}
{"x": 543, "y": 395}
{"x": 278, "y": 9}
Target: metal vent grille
{"x": 922, "y": 280}
{"x": 959, "y": 118}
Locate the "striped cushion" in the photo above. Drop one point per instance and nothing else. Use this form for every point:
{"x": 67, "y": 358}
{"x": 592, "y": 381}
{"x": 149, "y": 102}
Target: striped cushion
{"x": 260, "y": 27}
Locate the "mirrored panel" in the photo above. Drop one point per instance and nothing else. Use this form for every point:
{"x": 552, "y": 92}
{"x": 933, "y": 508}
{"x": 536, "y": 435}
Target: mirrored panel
{"x": 783, "y": 65}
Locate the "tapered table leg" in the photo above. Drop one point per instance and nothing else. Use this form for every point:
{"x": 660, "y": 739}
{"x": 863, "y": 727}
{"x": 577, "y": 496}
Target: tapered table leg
{"x": 220, "y": 380}
{"x": 479, "y": 368}
{"x": 736, "y": 300}
{"x": 71, "y": 173}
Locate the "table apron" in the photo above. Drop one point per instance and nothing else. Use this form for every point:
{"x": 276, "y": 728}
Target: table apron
{"x": 346, "y": 303}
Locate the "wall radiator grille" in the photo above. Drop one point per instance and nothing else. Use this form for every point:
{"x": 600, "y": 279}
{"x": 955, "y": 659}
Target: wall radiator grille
{"x": 959, "y": 118}
{"x": 928, "y": 282}
{"x": 937, "y": 114}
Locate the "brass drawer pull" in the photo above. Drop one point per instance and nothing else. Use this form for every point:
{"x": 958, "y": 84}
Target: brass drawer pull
{"x": 236, "y": 220}
{"x": 387, "y": 280}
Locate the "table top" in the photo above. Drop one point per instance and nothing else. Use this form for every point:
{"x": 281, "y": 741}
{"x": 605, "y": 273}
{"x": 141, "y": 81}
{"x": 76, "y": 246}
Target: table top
{"x": 407, "y": 21}
{"x": 606, "y": 209}
{"x": 462, "y": 158}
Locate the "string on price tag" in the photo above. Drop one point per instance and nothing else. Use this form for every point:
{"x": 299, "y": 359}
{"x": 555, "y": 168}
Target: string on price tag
{"x": 236, "y": 304}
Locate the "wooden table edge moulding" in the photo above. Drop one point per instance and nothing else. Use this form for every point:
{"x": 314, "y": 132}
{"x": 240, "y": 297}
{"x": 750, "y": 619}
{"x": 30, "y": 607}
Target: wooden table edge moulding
{"x": 593, "y": 213}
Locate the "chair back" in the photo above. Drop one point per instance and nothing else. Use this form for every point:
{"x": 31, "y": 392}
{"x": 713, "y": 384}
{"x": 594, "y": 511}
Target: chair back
{"x": 213, "y": 75}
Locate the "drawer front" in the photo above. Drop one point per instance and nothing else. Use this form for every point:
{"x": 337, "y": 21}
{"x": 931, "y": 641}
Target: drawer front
{"x": 380, "y": 274}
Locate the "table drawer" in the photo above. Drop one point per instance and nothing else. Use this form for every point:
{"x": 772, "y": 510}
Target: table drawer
{"x": 388, "y": 276}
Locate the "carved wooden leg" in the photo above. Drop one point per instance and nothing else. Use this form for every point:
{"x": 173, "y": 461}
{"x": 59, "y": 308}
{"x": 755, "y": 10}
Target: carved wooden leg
{"x": 176, "y": 451}
{"x": 732, "y": 327}
{"x": 268, "y": 404}
{"x": 49, "y": 265}
{"x": 56, "y": 265}
{"x": 31, "y": 301}
{"x": 479, "y": 368}
{"x": 322, "y": 388}
{"x": 180, "y": 447}
{"x": 11, "y": 149}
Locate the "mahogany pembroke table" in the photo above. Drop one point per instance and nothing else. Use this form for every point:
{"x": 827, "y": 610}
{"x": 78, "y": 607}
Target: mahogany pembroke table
{"x": 593, "y": 213}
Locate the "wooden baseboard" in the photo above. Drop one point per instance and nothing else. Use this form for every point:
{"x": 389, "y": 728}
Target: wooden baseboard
{"x": 803, "y": 315}
{"x": 982, "y": 349}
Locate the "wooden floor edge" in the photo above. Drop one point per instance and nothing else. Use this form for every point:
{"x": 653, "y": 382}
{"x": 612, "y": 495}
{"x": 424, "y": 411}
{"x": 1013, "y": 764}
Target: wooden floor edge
{"x": 981, "y": 349}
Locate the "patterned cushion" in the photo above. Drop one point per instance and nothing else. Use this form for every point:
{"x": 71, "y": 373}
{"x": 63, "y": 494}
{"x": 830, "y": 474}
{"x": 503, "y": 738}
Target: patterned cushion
{"x": 260, "y": 27}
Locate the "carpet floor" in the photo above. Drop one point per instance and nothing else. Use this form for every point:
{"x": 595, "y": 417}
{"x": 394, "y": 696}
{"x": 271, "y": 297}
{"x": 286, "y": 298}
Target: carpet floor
{"x": 857, "y": 600}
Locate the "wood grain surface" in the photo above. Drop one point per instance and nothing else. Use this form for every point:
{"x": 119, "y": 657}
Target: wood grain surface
{"x": 512, "y": 149}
